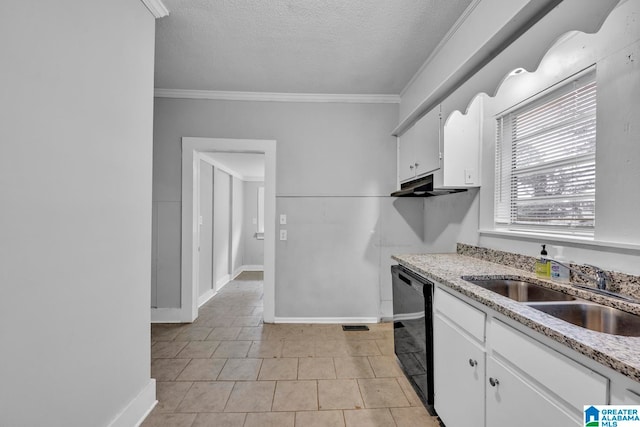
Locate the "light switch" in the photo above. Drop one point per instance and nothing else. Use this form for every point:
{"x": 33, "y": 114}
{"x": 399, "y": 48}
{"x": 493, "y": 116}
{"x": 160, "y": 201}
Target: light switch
{"x": 469, "y": 176}
{"x": 254, "y": 221}
{"x": 283, "y": 219}
{"x": 283, "y": 234}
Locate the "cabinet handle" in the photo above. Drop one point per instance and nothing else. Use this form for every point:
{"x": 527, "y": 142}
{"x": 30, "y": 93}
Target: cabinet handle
{"x": 493, "y": 381}
{"x": 417, "y": 164}
{"x": 410, "y": 166}
{"x": 473, "y": 363}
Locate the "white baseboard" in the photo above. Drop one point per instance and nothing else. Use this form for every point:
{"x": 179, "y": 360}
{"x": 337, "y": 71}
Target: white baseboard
{"x": 139, "y": 408}
{"x": 386, "y": 311}
{"x": 203, "y": 299}
{"x": 340, "y": 320}
{"x": 237, "y": 272}
{"x": 253, "y": 267}
{"x": 166, "y": 315}
{"x": 222, "y": 281}
{"x": 175, "y": 315}
{"x": 244, "y": 268}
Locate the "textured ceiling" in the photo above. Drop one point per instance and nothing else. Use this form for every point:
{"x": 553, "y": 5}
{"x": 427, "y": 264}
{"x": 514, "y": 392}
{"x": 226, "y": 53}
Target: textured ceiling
{"x": 299, "y": 46}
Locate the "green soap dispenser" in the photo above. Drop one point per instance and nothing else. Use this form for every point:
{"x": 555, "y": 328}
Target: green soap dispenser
{"x": 542, "y": 264}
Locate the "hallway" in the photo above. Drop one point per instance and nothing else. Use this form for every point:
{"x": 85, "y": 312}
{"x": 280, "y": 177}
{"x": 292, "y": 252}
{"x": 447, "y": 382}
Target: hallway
{"x": 229, "y": 369}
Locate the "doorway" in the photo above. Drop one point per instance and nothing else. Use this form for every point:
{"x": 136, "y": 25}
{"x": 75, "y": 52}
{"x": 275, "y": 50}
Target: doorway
{"x": 231, "y": 219}
{"x": 193, "y": 152}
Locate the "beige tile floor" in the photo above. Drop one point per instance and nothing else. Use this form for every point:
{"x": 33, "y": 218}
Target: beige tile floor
{"x": 229, "y": 369}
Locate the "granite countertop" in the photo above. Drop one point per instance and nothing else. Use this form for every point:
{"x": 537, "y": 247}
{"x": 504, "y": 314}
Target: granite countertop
{"x": 617, "y": 352}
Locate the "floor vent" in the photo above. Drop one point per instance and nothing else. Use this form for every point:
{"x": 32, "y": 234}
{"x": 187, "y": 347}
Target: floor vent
{"x": 355, "y": 328}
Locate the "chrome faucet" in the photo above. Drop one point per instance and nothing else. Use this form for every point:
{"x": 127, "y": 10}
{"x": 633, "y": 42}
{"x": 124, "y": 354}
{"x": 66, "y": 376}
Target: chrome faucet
{"x": 600, "y": 279}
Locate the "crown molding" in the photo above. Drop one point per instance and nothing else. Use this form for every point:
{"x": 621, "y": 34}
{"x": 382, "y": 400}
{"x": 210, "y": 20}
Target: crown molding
{"x": 276, "y": 97}
{"x": 156, "y": 7}
{"x": 454, "y": 29}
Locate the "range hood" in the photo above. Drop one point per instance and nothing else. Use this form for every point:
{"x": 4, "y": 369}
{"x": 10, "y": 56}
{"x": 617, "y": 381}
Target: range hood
{"x": 423, "y": 187}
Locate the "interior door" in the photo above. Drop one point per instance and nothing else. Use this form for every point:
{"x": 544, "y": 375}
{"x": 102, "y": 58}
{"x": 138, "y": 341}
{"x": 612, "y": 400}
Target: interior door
{"x": 221, "y": 227}
{"x": 205, "y": 229}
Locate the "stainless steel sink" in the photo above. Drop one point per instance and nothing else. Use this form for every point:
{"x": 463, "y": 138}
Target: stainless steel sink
{"x": 595, "y": 317}
{"x": 583, "y": 313}
{"x": 521, "y": 291}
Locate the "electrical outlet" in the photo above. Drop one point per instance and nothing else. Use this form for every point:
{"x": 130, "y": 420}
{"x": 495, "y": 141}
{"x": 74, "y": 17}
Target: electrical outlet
{"x": 283, "y": 219}
{"x": 283, "y": 234}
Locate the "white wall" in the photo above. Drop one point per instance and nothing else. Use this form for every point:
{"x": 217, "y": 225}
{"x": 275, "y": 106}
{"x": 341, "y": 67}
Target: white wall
{"x": 253, "y": 248}
{"x": 340, "y": 157}
{"x": 205, "y": 276}
{"x": 615, "y": 49}
{"x": 335, "y": 170}
{"x": 237, "y": 224}
{"x": 75, "y": 223}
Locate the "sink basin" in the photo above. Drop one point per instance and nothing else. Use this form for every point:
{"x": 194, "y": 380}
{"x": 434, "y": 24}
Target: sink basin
{"x": 595, "y": 317}
{"x": 521, "y": 291}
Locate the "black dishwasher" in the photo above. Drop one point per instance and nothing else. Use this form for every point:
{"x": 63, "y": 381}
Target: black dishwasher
{"x": 413, "y": 330}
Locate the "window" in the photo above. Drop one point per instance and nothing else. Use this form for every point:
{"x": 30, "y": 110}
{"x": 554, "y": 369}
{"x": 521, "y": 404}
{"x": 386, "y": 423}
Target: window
{"x": 545, "y": 162}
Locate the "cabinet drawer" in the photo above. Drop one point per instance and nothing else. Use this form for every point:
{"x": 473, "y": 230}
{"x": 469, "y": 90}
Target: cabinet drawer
{"x": 573, "y": 382}
{"x": 459, "y": 312}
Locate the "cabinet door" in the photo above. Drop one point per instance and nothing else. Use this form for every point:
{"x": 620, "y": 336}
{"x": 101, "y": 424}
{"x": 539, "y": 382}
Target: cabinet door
{"x": 427, "y": 152}
{"x": 459, "y": 372}
{"x": 406, "y": 156}
{"x": 420, "y": 147}
{"x": 461, "y": 146}
{"x": 511, "y": 401}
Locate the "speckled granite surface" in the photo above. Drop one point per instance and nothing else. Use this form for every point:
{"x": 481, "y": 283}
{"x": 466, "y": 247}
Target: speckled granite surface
{"x": 618, "y": 282}
{"x": 617, "y": 352}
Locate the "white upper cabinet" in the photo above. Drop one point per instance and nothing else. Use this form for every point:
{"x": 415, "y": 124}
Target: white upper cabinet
{"x": 451, "y": 154}
{"x": 419, "y": 147}
{"x": 461, "y": 148}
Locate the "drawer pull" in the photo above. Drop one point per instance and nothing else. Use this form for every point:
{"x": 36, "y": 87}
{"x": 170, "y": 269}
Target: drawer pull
{"x": 473, "y": 363}
{"x": 493, "y": 381}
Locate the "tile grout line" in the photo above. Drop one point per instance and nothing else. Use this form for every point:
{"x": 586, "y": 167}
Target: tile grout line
{"x": 174, "y": 411}
{"x": 226, "y": 402}
{"x": 294, "y": 336}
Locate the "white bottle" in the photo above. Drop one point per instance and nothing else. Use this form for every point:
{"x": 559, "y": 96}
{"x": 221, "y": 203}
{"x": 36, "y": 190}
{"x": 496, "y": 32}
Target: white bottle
{"x": 559, "y": 273}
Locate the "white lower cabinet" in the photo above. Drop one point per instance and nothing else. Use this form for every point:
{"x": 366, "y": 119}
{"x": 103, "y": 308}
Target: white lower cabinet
{"x": 459, "y": 376}
{"x": 488, "y": 373}
{"x": 513, "y": 402}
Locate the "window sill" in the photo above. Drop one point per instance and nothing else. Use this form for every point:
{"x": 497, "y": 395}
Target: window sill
{"x": 556, "y": 238}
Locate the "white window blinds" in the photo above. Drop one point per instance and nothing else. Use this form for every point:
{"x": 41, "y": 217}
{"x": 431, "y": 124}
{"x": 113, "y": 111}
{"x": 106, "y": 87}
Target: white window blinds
{"x": 545, "y": 161}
